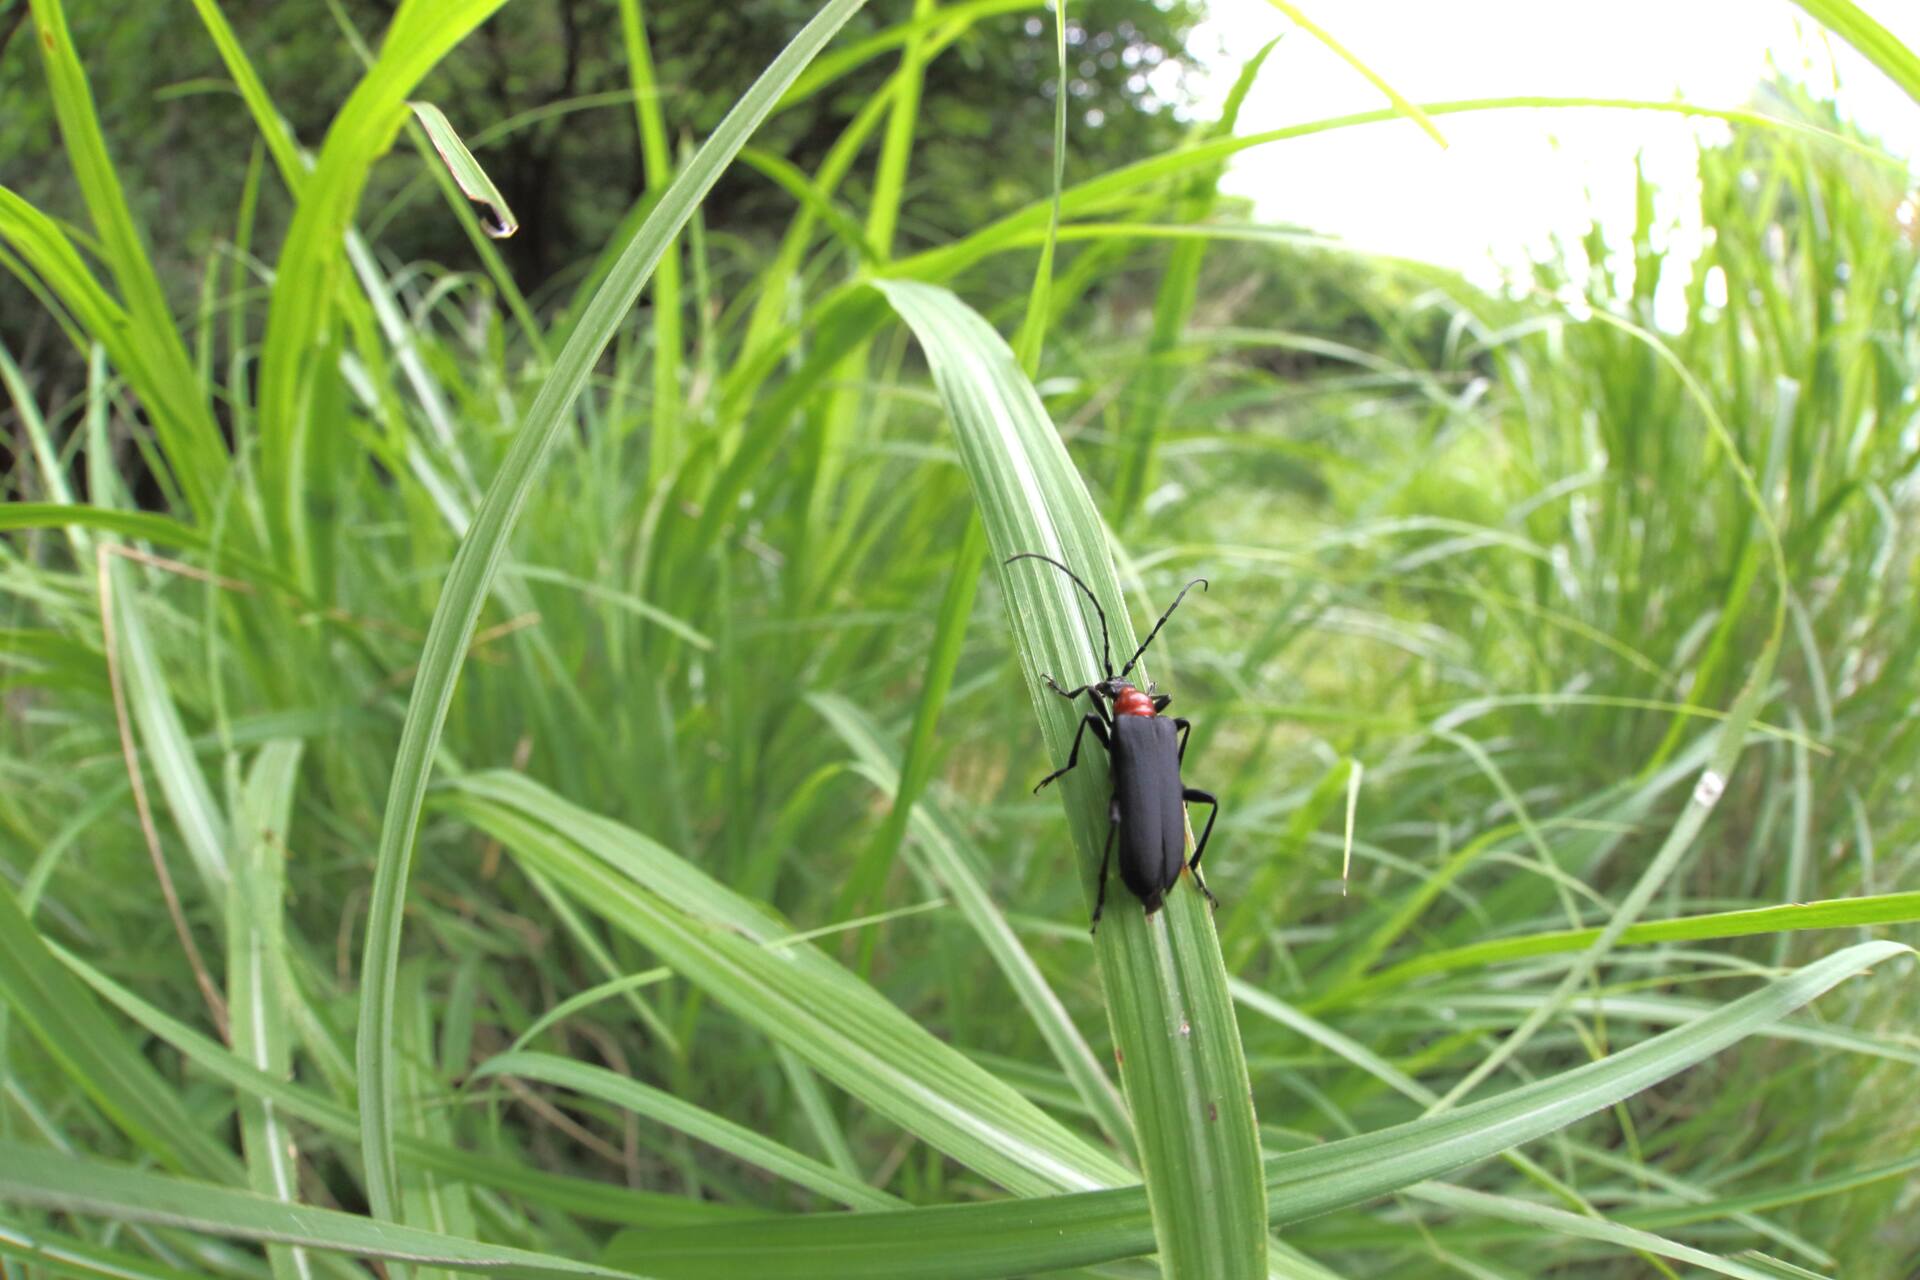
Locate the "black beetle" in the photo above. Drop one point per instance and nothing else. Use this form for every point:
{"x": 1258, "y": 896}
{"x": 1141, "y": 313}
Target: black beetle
{"x": 1145, "y": 752}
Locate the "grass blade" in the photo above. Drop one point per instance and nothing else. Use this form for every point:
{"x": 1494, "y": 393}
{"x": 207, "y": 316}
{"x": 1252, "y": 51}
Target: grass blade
{"x": 35, "y": 1176}
{"x": 580, "y": 1197}
{"x": 256, "y": 947}
{"x": 161, "y": 371}
{"x": 1173, "y": 1021}
{"x": 1861, "y": 30}
{"x": 162, "y": 734}
{"x": 296, "y": 349}
{"x": 1399, "y": 100}
{"x": 76, "y": 1035}
{"x": 696, "y": 1122}
{"x": 474, "y": 566}
{"x": 473, "y": 181}
{"x": 940, "y": 844}
{"x": 1573, "y": 1224}
{"x": 744, "y": 958}
{"x": 950, "y": 633}
{"x": 985, "y": 1242}
{"x": 1837, "y": 913}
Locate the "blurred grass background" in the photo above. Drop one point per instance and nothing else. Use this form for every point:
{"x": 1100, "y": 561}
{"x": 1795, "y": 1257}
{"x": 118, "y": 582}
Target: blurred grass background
{"x": 1487, "y": 584}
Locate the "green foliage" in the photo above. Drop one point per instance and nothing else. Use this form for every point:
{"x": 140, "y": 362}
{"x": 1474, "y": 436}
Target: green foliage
{"x": 589, "y": 770}
{"x": 542, "y": 85}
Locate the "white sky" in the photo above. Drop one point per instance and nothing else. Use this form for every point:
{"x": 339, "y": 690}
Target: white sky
{"x": 1509, "y": 179}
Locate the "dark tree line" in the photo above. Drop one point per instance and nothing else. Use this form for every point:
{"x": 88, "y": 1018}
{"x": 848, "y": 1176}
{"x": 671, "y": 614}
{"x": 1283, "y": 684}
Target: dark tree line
{"x": 182, "y": 137}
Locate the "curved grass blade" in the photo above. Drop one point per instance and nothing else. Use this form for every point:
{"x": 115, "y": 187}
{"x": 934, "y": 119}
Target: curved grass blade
{"x": 295, "y": 348}
{"x": 748, "y": 961}
{"x": 202, "y": 826}
{"x": 1834, "y": 913}
{"x": 1027, "y": 225}
{"x": 580, "y": 1197}
{"x": 941, "y": 845}
{"x": 1173, "y": 1022}
{"x": 986, "y": 1242}
{"x": 1861, "y": 30}
{"x": 143, "y": 525}
{"x": 79, "y": 1040}
{"x": 162, "y": 372}
{"x": 663, "y": 428}
{"x": 1030, "y": 341}
{"x": 696, "y": 1122}
{"x": 1399, "y": 100}
{"x": 1581, "y": 1227}
{"x": 499, "y": 222}
{"x": 64, "y": 1255}
{"x": 474, "y": 566}
{"x": 50, "y": 1179}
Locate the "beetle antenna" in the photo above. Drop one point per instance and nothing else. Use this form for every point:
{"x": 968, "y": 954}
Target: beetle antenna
{"x": 1106, "y": 644}
{"x": 1197, "y": 582}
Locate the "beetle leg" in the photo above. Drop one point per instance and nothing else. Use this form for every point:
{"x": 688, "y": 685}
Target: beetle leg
{"x": 1066, "y": 693}
{"x": 1088, "y": 721}
{"x": 1071, "y": 694}
{"x": 1161, "y": 702}
{"x": 1185, "y": 727}
{"x": 1193, "y": 795}
{"x": 1106, "y": 861}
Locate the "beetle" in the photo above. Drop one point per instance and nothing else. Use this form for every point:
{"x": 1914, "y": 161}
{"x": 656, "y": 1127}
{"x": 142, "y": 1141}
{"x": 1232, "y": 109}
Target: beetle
{"x": 1146, "y": 813}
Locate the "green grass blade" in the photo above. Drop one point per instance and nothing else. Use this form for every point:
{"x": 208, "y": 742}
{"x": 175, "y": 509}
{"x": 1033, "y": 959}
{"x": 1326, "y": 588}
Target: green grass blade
{"x": 1116, "y": 187}
{"x": 274, "y": 131}
{"x": 1760, "y": 1201}
{"x": 951, "y": 20}
{"x": 1576, "y": 1225}
{"x": 474, "y": 566}
{"x": 597, "y": 1201}
{"x": 790, "y": 991}
{"x": 76, "y": 1036}
{"x": 1173, "y": 305}
{"x": 146, "y": 526}
{"x": 950, "y": 633}
{"x": 596, "y": 951}
{"x": 696, "y": 1122}
{"x": 1030, "y": 342}
{"x": 297, "y": 347}
{"x": 256, "y": 948}
{"x": 896, "y": 144}
{"x": 66, "y": 1255}
{"x": 664, "y": 444}
{"x": 1374, "y": 78}
{"x": 1880, "y": 46}
{"x": 473, "y": 181}
{"x": 1836, "y": 913}
{"x": 429, "y": 1199}
{"x": 163, "y": 736}
{"x": 985, "y": 1242}
{"x": 35, "y": 1176}
{"x": 163, "y": 373}
{"x": 1657, "y": 1010}
{"x": 53, "y": 476}
{"x": 940, "y": 844}
{"x": 1173, "y": 1021}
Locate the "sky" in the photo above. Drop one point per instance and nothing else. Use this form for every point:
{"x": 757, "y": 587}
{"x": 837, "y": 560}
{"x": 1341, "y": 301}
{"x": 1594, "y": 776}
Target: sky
{"x": 1508, "y": 181}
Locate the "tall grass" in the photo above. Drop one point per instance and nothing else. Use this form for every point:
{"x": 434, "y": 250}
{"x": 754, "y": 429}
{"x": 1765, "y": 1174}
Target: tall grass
{"x": 541, "y": 793}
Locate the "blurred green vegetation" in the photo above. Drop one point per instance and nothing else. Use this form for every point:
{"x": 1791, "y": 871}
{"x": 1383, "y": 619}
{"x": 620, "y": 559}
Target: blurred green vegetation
{"x": 1580, "y": 617}
{"x": 544, "y": 86}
